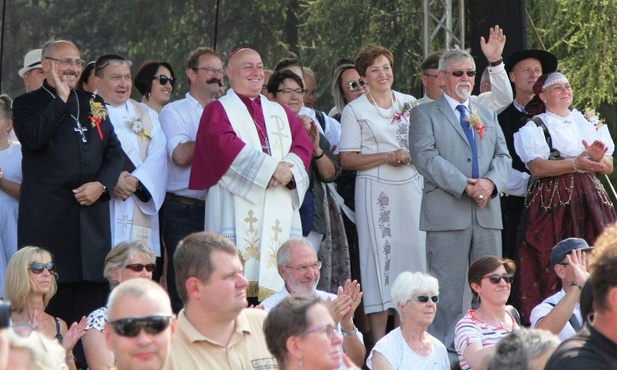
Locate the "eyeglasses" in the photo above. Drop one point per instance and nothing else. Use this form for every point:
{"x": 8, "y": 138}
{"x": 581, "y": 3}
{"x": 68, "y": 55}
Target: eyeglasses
{"x": 288, "y": 91}
{"x": 139, "y": 267}
{"x": 461, "y": 73}
{"x": 304, "y": 268}
{"x": 131, "y": 327}
{"x": 328, "y": 329}
{"x": 496, "y": 278}
{"x": 38, "y": 267}
{"x": 435, "y": 76}
{"x": 163, "y": 79}
{"x": 425, "y": 298}
{"x": 114, "y": 63}
{"x": 356, "y": 85}
{"x": 211, "y": 71}
{"x": 69, "y": 62}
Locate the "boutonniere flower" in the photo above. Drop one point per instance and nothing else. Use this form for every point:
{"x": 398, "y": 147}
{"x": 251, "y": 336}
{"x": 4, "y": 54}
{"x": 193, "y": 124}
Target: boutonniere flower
{"x": 97, "y": 114}
{"x": 138, "y": 128}
{"x": 474, "y": 122}
{"x": 593, "y": 117}
{"x": 405, "y": 112}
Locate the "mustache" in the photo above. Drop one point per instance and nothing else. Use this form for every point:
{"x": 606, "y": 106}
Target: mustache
{"x": 71, "y": 73}
{"x": 215, "y": 80}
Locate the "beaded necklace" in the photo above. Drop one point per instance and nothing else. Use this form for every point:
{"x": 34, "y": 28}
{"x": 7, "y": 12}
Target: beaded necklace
{"x": 390, "y": 110}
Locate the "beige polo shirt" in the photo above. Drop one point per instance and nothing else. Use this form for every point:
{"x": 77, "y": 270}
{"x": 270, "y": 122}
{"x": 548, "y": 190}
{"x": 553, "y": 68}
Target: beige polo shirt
{"x": 246, "y": 350}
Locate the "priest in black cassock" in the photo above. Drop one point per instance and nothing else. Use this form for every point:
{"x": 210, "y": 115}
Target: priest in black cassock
{"x": 71, "y": 163}
{"x": 523, "y": 67}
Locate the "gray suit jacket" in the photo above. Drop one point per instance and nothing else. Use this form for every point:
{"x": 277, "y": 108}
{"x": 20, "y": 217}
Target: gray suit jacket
{"x": 440, "y": 152}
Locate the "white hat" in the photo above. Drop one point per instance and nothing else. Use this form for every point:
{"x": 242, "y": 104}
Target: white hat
{"x": 32, "y": 60}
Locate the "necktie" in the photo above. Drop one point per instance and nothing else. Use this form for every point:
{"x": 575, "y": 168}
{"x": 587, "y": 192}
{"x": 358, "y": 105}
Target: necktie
{"x": 475, "y": 172}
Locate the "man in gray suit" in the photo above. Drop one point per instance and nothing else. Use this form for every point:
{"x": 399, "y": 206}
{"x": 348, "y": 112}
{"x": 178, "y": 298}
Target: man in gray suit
{"x": 460, "y": 150}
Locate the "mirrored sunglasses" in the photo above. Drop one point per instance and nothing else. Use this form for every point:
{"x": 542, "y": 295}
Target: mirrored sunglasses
{"x": 496, "y": 278}
{"x": 356, "y": 85}
{"x": 131, "y": 327}
{"x": 163, "y": 79}
{"x": 138, "y": 267}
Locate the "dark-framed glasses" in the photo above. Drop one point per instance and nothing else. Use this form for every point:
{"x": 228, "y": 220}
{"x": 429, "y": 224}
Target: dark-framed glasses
{"x": 210, "y": 71}
{"x": 139, "y": 267}
{"x": 163, "y": 79}
{"x": 304, "y": 268}
{"x": 356, "y": 85}
{"x": 496, "y": 278}
{"x": 131, "y": 327}
{"x": 425, "y": 298}
{"x": 69, "y": 62}
{"x": 461, "y": 73}
{"x": 329, "y": 329}
{"x": 38, "y": 267}
{"x": 429, "y": 75}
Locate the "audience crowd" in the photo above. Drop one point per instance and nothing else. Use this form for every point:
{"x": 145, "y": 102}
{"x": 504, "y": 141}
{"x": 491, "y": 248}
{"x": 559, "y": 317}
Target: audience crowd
{"x": 241, "y": 228}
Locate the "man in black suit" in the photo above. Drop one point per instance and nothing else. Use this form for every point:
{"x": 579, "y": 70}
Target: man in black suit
{"x": 71, "y": 162}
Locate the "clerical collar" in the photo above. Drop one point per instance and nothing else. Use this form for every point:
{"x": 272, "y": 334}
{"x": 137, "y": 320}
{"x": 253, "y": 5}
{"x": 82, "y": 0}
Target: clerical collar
{"x": 249, "y": 101}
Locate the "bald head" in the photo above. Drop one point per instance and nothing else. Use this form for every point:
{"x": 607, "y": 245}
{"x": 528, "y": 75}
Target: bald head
{"x": 245, "y": 72}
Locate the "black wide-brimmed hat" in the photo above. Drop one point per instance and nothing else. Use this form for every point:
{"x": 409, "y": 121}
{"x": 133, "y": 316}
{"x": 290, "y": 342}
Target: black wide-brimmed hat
{"x": 548, "y": 60}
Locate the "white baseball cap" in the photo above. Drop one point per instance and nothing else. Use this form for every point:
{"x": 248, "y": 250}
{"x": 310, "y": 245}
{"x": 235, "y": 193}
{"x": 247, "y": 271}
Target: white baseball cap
{"x": 32, "y": 60}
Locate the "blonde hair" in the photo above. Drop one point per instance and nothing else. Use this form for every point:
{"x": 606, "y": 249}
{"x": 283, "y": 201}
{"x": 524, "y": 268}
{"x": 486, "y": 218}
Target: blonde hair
{"x": 17, "y": 284}
{"x": 43, "y": 353}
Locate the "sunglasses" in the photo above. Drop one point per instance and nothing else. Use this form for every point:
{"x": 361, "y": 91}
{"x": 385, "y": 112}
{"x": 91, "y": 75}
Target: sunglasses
{"x": 356, "y": 85}
{"x": 461, "y": 73}
{"x": 425, "y": 298}
{"x": 139, "y": 267}
{"x": 163, "y": 79}
{"x": 496, "y": 278}
{"x": 131, "y": 327}
{"x": 38, "y": 267}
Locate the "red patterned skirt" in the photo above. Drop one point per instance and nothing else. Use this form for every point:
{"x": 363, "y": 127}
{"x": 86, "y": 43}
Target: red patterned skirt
{"x": 556, "y": 208}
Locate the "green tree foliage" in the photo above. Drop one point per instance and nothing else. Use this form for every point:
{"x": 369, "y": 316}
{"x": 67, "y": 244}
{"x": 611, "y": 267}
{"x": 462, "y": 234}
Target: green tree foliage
{"x": 319, "y": 32}
{"x": 581, "y": 34}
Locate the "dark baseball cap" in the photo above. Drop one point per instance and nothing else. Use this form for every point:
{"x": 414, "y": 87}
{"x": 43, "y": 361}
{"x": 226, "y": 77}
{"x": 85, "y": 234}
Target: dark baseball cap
{"x": 564, "y": 247}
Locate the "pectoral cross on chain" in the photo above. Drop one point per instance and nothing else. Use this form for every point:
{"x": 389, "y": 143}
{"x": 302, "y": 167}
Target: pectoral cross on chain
{"x": 80, "y": 129}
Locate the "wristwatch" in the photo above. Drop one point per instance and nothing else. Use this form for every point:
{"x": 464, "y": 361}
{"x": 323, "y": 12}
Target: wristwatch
{"x": 495, "y": 64}
{"x": 104, "y": 189}
{"x": 350, "y": 333}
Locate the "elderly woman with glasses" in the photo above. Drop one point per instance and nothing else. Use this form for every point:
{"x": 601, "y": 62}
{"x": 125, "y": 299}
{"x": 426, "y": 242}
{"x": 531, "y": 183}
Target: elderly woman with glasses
{"x": 300, "y": 333}
{"x": 155, "y": 82}
{"x": 30, "y": 284}
{"x": 127, "y": 260}
{"x": 565, "y": 151}
{"x": 388, "y": 194}
{"x": 410, "y": 346}
{"x": 476, "y": 334}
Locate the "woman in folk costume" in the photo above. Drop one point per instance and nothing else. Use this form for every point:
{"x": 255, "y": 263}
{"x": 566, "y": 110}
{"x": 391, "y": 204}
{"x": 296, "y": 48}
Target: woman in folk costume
{"x": 564, "y": 151}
